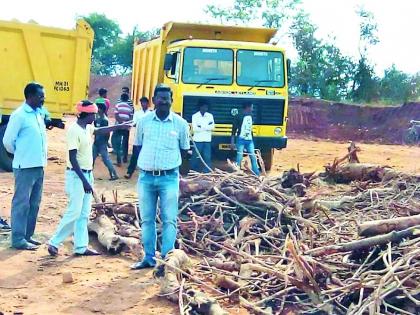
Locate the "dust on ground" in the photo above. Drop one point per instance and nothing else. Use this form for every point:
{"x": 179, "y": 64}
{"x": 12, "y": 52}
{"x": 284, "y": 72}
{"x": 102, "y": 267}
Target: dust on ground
{"x": 31, "y": 282}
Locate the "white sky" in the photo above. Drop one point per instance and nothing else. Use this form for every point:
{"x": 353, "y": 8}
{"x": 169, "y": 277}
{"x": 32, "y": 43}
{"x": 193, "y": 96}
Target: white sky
{"x": 397, "y": 20}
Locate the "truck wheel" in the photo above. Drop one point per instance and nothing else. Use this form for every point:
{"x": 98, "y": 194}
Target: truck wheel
{"x": 5, "y": 158}
{"x": 267, "y": 156}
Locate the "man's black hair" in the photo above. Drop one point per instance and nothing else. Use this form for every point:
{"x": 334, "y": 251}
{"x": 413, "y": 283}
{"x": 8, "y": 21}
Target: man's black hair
{"x": 31, "y": 89}
{"x": 101, "y": 106}
{"x": 124, "y": 97}
{"x": 125, "y": 88}
{"x": 202, "y": 102}
{"x": 162, "y": 88}
{"x": 144, "y": 99}
{"x": 102, "y": 91}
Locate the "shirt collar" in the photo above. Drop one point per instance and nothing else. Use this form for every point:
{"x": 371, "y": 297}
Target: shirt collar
{"x": 170, "y": 117}
{"x": 29, "y": 109}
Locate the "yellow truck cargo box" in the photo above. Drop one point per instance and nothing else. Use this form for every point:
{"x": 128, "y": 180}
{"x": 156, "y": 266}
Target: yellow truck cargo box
{"x": 56, "y": 58}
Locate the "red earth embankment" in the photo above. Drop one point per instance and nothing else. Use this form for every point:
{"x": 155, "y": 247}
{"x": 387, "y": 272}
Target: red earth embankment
{"x": 338, "y": 121}
{"x": 317, "y": 118}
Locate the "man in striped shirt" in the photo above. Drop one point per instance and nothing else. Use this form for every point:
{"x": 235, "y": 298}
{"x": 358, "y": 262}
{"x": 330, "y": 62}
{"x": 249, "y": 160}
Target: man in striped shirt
{"x": 123, "y": 113}
{"x": 126, "y": 90}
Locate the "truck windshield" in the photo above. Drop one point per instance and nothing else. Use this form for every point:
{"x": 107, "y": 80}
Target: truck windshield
{"x": 260, "y": 68}
{"x": 208, "y": 66}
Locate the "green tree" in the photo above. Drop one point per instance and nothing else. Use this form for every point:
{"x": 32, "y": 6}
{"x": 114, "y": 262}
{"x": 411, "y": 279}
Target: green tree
{"x": 397, "y": 86}
{"x": 270, "y": 13}
{"x": 366, "y": 84}
{"x": 107, "y": 34}
{"x": 112, "y": 51}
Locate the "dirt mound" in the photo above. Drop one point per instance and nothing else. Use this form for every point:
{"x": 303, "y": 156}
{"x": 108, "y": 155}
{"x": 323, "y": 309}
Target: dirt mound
{"x": 316, "y": 118}
{"x": 112, "y": 84}
{"x": 342, "y": 122}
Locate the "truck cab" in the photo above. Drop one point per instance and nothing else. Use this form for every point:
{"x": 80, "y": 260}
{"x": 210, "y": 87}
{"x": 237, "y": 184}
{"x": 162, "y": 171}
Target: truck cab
{"x": 226, "y": 66}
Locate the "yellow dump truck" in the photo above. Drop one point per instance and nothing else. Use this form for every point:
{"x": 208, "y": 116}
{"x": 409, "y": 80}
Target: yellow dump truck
{"x": 227, "y": 66}
{"x": 56, "y": 58}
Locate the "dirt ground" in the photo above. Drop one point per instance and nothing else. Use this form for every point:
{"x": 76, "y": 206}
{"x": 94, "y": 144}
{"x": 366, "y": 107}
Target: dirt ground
{"x": 31, "y": 282}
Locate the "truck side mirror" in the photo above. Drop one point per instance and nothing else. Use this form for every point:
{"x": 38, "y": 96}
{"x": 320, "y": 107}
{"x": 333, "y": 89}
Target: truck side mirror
{"x": 288, "y": 63}
{"x": 168, "y": 62}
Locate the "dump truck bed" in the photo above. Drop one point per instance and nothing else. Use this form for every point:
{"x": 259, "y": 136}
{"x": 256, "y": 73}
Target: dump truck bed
{"x": 56, "y": 58}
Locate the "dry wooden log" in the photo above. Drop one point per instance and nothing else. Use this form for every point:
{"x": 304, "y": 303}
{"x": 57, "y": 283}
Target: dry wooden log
{"x": 105, "y": 230}
{"x": 376, "y": 227}
{"x": 357, "y": 171}
{"x": 394, "y": 236}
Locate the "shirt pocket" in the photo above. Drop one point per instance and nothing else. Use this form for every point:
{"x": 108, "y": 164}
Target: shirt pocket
{"x": 171, "y": 140}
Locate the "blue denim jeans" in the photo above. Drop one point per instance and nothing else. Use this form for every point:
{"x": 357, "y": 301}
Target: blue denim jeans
{"x": 25, "y": 203}
{"x": 248, "y": 145}
{"x": 75, "y": 219}
{"x": 102, "y": 150}
{"x": 166, "y": 188}
{"x": 205, "y": 151}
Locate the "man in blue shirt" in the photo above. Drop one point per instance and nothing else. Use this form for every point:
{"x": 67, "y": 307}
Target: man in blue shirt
{"x": 25, "y": 138}
{"x": 163, "y": 135}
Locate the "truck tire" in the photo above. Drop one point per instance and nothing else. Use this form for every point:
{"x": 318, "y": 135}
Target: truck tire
{"x": 5, "y": 158}
{"x": 267, "y": 156}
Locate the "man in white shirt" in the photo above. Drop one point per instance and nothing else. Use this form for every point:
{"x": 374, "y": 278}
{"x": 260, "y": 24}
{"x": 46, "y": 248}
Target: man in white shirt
{"x": 144, "y": 102}
{"x": 203, "y": 125}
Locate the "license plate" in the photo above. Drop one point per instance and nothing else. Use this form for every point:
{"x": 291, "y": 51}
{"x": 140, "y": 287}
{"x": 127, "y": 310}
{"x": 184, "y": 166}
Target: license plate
{"x": 224, "y": 146}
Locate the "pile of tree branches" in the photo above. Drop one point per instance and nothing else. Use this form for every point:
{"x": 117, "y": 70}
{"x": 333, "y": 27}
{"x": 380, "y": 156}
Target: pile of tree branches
{"x": 296, "y": 243}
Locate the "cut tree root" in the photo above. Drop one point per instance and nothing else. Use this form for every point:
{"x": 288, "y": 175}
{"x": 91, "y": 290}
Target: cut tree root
{"x": 371, "y": 228}
{"x": 105, "y": 230}
{"x": 168, "y": 275}
{"x": 394, "y": 236}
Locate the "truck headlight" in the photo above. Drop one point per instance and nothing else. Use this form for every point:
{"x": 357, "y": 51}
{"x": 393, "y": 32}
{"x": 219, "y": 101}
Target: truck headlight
{"x": 277, "y": 131}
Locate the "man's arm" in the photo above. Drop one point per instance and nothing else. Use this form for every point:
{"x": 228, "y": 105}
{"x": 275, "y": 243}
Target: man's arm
{"x": 211, "y": 124}
{"x": 76, "y": 168}
{"x": 195, "y": 126}
{"x": 234, "y": 130}
{"x": 11, "y": 134}
{"x": 184, "y": 140}
{"x": 104, "y": 130}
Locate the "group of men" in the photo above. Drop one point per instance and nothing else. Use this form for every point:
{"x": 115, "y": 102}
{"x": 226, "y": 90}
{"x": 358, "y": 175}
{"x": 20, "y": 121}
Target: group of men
{"x": 162, "y": 140}
{"x": 124, "y": 113}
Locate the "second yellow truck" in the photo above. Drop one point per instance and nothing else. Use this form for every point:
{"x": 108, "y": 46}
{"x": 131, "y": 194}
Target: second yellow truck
{"x": 227, "y": 66}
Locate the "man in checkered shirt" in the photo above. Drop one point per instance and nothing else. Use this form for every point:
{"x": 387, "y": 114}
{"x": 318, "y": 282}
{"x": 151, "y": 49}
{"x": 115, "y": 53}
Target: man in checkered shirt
{"x": 163, "y": 136}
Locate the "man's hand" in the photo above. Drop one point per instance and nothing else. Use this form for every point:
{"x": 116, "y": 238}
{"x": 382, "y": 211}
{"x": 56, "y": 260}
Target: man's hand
{"x": 86, "y": 186}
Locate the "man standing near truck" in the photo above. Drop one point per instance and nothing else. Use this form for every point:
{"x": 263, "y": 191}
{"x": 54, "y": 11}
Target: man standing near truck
{"x": 126, "y": 134}
{"x": 164, "y": 137}
{"x": 25, "y": 138}
{"x": 242, "y": 130}
{"x": 202, "y": 125}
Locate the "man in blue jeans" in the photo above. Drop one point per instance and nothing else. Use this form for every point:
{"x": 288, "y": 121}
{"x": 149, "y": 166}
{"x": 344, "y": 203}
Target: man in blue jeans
{"x": 163, "y": 136}
{"x": 25, "y": 137}
{"x": 242, "y": 129}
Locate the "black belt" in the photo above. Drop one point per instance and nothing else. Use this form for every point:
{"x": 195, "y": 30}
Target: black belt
{"x": 160, "y": 172}
{"x": 84, "y": 171}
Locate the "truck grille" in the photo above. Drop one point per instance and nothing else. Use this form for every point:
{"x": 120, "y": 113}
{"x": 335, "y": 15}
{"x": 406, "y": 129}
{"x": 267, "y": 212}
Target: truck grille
{"x": 267, "y": 111}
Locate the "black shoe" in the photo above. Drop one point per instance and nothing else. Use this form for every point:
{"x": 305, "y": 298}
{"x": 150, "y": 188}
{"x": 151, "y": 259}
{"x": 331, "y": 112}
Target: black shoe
{"x": 34, "y": 242}
{"x": 88, "y": 252}
{"x": 52, "y": 250}
{"x": 128, "y": 175}
{"x": 4, "y": 226}
{"x": 114, "y": 177}
{"x": 143, "y": 265}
